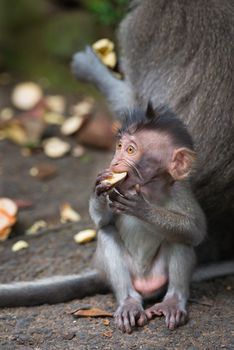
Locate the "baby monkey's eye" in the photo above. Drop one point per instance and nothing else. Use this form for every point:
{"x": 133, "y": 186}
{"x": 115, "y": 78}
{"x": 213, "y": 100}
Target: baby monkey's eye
{"x": 119, "y": 145}
{"x": 130, "y": 149}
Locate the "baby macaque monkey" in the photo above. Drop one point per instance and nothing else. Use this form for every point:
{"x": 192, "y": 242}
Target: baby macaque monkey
{"x": 149, "y": 223}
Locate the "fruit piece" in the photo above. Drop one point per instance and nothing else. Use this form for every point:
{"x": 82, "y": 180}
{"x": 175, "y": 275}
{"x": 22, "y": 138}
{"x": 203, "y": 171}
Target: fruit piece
{"x": 78, "y": 151}
{"x": 8, "y": 206}
{"x": 26, "y": 95}
{"x": 83, "y": 108}
{"x": 67, "y": 213}
{"x": 19, "y": 245}
{"x": 5, "y": 233}
{"x": 53, "y": 118}
{"x": 55, "y": 148}
{"x": 56, "y": 103}
{"x": 37, "y": 226}
{"x": 115, "y": 178}
{"x": 104, "y": 48}
{"x": 71, "y": 125}
{"x": 8, "y": 212}
{"x": 85, "y": 236}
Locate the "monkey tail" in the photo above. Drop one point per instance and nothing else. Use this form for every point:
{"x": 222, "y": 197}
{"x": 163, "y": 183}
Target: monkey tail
{"x": 52, "y": 290}
{"x": 214, "y": 270}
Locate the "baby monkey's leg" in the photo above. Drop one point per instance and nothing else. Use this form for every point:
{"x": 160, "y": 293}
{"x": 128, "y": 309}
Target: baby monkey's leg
{"x": 181, "y": 261}
{"x": 110, "y": 256}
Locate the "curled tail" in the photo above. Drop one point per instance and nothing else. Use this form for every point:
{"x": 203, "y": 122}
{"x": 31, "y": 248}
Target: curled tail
{"x": 52, "y": 290}
{"x": 213, "y": 270}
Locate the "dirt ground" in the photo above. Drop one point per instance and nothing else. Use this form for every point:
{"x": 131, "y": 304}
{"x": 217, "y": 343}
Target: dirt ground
{"x": 211, "y": 324}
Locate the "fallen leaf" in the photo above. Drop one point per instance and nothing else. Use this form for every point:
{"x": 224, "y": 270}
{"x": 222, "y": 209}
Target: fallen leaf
{"x": 85, "y": 236}
{"x": 26, "y": 152}
{"x": 23, "y": 203}
{"x": 37, "y": 226}
{"x": 108, "y": 334}
{"x": 67, "y": 213}
{"x": 56, "y": 103}
{"x": 43, "y": 171}
{"x": 91, "y": 312}
{"x": 26, "y": 95}
{"x": 78, "y": 151}
{"x": 83, "y": 108}
{"x": 53, "y": 118}
{"x": 55, "y": 147}
{"x": 72, "y": 125}
{"x": 6, "y": 114}
{"x": 106, "y": 322}
{"x": 16, "y": 133}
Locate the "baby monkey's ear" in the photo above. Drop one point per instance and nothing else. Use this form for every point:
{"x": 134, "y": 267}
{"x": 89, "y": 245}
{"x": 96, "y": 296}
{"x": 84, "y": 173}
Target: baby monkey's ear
{"x": 181, "y": 163}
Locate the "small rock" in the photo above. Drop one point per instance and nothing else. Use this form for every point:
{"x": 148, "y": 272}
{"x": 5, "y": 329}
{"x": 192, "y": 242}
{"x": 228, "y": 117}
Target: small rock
{"x": 69, "y": 335}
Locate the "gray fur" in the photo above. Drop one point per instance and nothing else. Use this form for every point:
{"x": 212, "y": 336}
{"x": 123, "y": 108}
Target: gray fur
{"x": 180, "y": 53}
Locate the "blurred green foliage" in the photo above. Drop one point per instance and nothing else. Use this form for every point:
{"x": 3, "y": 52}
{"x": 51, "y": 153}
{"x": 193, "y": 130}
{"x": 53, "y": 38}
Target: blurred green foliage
{"x": 38, "y": 38}
{"x": 107, "y": 12}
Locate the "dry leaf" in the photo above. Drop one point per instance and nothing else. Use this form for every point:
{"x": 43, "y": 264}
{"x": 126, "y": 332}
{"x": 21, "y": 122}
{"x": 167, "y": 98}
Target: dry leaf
{"x": 67, "y": 213}
{"x": 37, "y": 226}
{"x": 26, "y": 95}
{"x": 83, "y": 108}
{"x": 6, "y": 114}
{"x": 26, "y": 152}
{"x": 23, "y": 203}
{"x": 53, "y": 118}
{"x": 55, "y": 148}
{"x": 91, "y": 312}
{"x": 72, "y": 125}
{"x": 106, "y": 322}
{"x": 19, "y": 245}
{"x": 78, "y": 151}
{"x": 16, "y": 133}
{"x": 107, "y": 334}
{"x": 43, "y": 171}
{"x": 56, "y": 103}
{"x": 85, "y": 236}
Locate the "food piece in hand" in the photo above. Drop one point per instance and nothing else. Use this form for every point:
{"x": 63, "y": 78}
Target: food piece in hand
{"x": 115, "y": 178}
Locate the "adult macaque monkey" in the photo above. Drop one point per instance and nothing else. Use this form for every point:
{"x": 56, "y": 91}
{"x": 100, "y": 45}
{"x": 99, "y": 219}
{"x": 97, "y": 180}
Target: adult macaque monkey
{"x": 180, "y": 53}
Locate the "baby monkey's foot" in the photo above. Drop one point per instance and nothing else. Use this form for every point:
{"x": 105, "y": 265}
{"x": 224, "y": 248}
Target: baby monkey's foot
{"x": 174, "y": 313}
{"x": 130, "y": 314}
